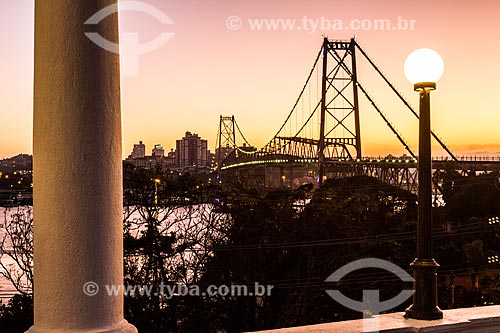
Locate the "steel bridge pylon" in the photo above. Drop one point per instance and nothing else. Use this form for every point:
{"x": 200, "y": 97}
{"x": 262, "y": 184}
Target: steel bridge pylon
{"x": 339, "y": 118}
{"x": 226, "y": 138}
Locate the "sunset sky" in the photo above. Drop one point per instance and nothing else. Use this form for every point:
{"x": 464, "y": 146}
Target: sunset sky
{"x": 207, "y": 69}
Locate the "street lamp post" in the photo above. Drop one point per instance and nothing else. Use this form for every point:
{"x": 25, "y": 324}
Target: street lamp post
{"x": 424, "y": 68}
{"x": 156, "y": 181}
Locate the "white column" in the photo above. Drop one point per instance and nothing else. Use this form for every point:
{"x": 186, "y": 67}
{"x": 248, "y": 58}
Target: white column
{"x": 77, "y": 171}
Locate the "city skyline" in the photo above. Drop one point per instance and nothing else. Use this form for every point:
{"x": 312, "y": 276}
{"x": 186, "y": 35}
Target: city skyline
{"x": 191, "y": 153}
{"x": 210, "y": 68}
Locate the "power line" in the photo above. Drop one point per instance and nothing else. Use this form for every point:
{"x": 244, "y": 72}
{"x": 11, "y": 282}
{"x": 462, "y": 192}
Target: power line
{"x": 408, "y": 235}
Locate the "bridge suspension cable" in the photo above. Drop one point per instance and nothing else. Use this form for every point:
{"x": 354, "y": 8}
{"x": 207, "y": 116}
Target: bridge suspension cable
{"x": 388, "y": 123}
{"x": 405, "y": 102}
{"x": 241, "y": 133}
{"x": 384, "y": 117}
{"x": 299, "y": 97}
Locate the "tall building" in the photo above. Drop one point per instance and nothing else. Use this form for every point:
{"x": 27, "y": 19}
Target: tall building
{"x": 158, "y": 151}
{"x": 191, "y": 151}
{"x": 138, "y": 151}
{"x": 139, "y": 158}
{"x": 171, "y": 157}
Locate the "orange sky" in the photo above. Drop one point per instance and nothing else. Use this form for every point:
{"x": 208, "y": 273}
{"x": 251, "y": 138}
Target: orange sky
{"x": 207, "y": 69}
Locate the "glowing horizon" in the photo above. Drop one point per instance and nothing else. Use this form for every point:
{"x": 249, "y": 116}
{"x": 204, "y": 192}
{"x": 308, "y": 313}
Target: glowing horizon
{"x": 209, "y": 68}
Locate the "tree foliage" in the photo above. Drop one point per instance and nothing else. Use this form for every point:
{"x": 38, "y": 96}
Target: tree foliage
{"x": 181, "y": 231}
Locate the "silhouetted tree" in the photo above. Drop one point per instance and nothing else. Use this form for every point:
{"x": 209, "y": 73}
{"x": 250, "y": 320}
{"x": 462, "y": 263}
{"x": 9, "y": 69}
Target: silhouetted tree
{"x": 168, "y": 233}
{"x": 281, "y": 238}
{"x": 16, "y": 243}
{"x": 473, "y": 196}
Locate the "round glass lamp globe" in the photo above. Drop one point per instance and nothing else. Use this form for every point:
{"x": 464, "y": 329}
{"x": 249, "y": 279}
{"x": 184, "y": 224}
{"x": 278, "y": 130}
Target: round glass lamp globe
{"x": 424, "y": 65}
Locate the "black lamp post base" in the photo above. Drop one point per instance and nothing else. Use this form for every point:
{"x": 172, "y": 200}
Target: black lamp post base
{"x": 423, "y": 314}
{"x": 424, "y": 305}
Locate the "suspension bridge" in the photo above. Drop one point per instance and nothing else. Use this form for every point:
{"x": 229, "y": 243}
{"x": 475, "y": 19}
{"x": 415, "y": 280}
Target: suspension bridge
{"x": 321, "y": 137}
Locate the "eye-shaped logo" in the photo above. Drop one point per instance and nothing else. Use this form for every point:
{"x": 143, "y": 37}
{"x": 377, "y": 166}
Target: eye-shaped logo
{"x": 371, "y": 304}
{"x": 130, "y": 40}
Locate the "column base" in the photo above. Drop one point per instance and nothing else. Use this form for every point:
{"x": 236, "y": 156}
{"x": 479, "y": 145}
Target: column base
{"x": 122, "y": 327}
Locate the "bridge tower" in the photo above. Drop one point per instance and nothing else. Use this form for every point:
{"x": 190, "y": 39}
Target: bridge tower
{"x": 339, "y": 118}
{"x": 226, "y": 138}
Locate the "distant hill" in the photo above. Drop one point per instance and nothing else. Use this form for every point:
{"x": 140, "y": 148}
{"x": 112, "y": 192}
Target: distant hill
{"x": 18, "y": 162}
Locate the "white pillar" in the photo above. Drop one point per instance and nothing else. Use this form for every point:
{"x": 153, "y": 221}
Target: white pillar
{"x": 77, "y": 171}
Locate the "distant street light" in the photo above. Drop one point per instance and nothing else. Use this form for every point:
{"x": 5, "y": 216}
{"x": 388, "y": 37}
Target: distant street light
{"x": 492, "y": 259}
{"x": 156, "y": 181}
{"x": 423, "y": 68}
{"x": 493, "y": 220}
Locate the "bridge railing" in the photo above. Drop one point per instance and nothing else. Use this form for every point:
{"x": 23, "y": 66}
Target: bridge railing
{"x": 463, "y": 158}
{"x": 469, "y": 158}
